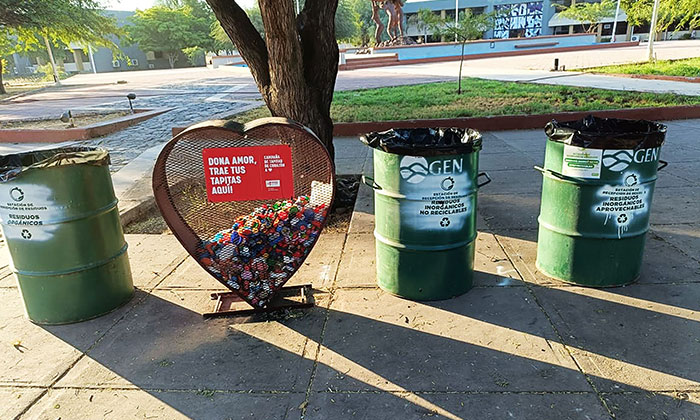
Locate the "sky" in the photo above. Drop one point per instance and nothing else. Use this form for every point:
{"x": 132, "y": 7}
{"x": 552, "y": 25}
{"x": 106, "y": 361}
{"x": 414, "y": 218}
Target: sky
{"x": 145, "y": 4}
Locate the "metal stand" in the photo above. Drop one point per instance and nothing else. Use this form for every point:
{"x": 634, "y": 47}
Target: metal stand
{"x": 284, "y": 299}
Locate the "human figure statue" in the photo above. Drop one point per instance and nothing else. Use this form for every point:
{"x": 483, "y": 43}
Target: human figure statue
{"x": 395, "y": 28}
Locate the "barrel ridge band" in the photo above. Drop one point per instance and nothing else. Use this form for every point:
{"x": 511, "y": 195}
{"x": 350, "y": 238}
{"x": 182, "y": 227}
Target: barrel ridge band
{"x": 97, "y": 212}
{"x": 614, "y": 236}
{"x": 394, "y": 244}
{"x": 90, "y": 266}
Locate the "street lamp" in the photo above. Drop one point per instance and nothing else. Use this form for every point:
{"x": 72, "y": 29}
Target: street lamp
{"x": 456, "y": 17}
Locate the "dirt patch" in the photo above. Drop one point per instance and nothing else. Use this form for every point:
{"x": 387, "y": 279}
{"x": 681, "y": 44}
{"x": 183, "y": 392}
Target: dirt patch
{"x": 80, "y": 120}
{"x": 339, "y": 221}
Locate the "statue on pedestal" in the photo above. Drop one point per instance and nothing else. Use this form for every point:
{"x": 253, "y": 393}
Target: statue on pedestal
{"x": 395, "y": 28}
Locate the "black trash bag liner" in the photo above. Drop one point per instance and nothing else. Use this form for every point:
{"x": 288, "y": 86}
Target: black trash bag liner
{"x": 425, "y": 141}
{"x": 14, "y": 164}
{"x": 607, "y": 133}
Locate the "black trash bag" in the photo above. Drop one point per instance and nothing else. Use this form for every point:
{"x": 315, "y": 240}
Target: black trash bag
{"x": 425, "y": 141}
{"x": 607, "y": 133}
{"x": 14, "y": 164}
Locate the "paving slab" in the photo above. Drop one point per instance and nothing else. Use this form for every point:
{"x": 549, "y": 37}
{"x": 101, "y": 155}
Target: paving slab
{"x": 151, "y": 256}
{"x": 159, "y": 404}
{"x": 509, "y": 211}
{"x": 650, "y": 405}
{"x": 349, "y": 166}
{"x": 17, "y": 400}
{"x": 166, "y": 344}
{"x": 488, "y": 340}
{"x": 492, "y": 406}
{"x": 362, "y": 220}
{"x": 514, "y": 182}
{"x": 496, "y": 162}
{"x": 686, "y": 238}
{"x": 44, "y": 353}
{"x": 675, "y": 206}
{"x": 350, "y": 147}
{"x": 493, "y": 144}
{"x": 358, "y": 267}
{"x": 639, "y": 337}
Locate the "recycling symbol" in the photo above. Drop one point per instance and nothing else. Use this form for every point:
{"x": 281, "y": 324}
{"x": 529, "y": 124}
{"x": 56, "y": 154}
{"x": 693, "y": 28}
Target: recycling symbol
{"x": 447, "y": 183}
{"x": 17, "y": 194}
{"x": 631, "y": 180}
{"x": 26, "y": 234}
{"x": 445, "y": 222}
{"x": 622, "y": 219}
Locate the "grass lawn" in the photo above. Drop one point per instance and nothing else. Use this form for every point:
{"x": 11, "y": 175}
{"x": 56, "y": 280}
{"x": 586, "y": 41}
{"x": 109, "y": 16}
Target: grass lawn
{"x": 688, "y": 67}
{"x": 480, "y": 98}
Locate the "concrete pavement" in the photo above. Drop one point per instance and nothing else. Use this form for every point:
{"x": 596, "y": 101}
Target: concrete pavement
{"x": 518, "y": 345}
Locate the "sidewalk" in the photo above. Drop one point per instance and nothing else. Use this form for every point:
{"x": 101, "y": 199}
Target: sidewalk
{"x": 516, "y": 346}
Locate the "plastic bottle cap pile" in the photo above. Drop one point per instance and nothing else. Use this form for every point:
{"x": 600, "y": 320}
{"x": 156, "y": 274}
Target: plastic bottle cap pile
{"x": 259, "y": 253}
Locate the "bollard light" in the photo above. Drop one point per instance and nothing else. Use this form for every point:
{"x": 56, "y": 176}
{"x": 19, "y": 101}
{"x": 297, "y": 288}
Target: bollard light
{"x": 130, "y": 97}
{"x": 67, "y": 117}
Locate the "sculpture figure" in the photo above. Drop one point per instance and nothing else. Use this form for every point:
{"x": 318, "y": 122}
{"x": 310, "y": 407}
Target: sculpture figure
{"x": 395, "y": 28}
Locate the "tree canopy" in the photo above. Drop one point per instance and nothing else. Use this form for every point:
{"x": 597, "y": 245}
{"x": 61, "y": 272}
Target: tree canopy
{"x": 172, "y": 30}
{"x": 589, "y": 14}
{"x": 673, "y": 14}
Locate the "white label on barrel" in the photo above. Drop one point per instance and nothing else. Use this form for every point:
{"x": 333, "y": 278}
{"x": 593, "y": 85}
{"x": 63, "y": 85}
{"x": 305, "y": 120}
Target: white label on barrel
{"x": 621, "y": 204}
{"x": 25, "y": 209}
{"x": 437, "y": 192}
{"x": 580, "y": 162}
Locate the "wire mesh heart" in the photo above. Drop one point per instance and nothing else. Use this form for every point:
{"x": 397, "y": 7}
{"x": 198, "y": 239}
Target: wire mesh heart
{"x": 247, "y": 202}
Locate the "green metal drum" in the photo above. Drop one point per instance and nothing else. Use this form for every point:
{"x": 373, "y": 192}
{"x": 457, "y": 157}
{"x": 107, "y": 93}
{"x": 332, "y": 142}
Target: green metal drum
{"x": 595, "y": 213}
{"x": 425, "y": 223}
{"x": 61, "y": 224}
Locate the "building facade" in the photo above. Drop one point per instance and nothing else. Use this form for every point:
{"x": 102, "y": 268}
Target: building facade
{"x": 514, "y": 19}
{"x": 86, "y": 59}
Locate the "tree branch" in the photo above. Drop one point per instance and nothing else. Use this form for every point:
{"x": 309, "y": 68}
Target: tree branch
{"x": 247, "y": 40}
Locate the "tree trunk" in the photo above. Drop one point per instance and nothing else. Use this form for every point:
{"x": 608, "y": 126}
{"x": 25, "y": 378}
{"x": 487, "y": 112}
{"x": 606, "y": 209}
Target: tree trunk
{"x": 172, "y": 58}
{"x": 295, "y": 67}
{"x": 2, "y": 84}
{"x": 461, "y": 62}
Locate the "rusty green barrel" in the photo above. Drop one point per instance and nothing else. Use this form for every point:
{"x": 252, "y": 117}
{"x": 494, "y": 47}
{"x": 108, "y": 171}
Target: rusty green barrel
{"x": 598, "y": 184}
{"x": 59, "y": 216}
{"x": 425, "y": 221}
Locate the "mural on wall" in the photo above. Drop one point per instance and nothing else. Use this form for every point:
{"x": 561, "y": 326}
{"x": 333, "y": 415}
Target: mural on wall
{"x": 518, "y": 20}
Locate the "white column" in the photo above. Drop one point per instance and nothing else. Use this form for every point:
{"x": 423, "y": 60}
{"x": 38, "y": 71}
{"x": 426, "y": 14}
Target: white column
{"x": 92, "y": 59}
{"x": 617, "y": 12}
{"x": 652, "y": 30}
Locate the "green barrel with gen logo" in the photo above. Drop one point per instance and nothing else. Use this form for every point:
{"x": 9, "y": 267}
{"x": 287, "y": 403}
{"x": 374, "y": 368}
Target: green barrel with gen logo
{"x": 599, "y": 177}
{"x": 61, "y": 224}
{"x": 425, "y": 187}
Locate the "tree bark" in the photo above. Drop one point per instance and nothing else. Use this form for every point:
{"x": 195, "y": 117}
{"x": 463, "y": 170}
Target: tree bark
{"x": 295, "y": 67}
{"x": 2, "y": 84}
{"x": 172, "y": 58}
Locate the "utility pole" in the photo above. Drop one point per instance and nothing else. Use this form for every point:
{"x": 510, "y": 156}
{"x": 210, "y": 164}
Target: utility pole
{"x": 53, "y": 62}
{"x": 617, "y": 12}
{"x": 652, "y": 30}
{"x": 456, "y": 17}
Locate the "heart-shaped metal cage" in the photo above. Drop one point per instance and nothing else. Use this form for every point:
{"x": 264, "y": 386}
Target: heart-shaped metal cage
{"x": 254, "y": 246}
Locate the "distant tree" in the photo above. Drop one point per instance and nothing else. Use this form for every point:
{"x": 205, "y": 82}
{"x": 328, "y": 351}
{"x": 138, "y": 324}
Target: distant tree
{"x": 470, "y": 26}
{"x": 421, "y": 25}
{"x": 673, "y": 14}
{"x": 170, "y": 30}
{"x": 362, "y": 13}
{"x": 346, "y": 22}
{"x": 37, "y": 24}
{"x": 589, "y": 14}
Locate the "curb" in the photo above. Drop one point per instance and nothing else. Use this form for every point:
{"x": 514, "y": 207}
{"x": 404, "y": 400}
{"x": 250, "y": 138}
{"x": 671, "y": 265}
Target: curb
{"x": 649, "y": 77}
{"x": 519, "y": 122}
{"x": 79, "y": 133}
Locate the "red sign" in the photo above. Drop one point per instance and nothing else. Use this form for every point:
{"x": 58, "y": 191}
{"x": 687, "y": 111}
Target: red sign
{"x": 248, "y": 173}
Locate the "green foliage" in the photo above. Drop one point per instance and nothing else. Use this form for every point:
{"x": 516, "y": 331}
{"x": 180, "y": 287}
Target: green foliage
{"x": 673, "y": 14}
{"x": 469, "y": 27}
{"x": 589, "y": 14}
{"x": 46, "y": 73}
{"x": 347, "y": 23}
{"x": 195, "y": 55}
{"x": 172, "y": 30}
{"x": 688, "y": 68}
{"x": 482, "y": 98}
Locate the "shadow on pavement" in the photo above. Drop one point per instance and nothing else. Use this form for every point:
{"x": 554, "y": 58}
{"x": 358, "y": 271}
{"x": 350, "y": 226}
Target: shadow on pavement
{"x": 483, "y": 355}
